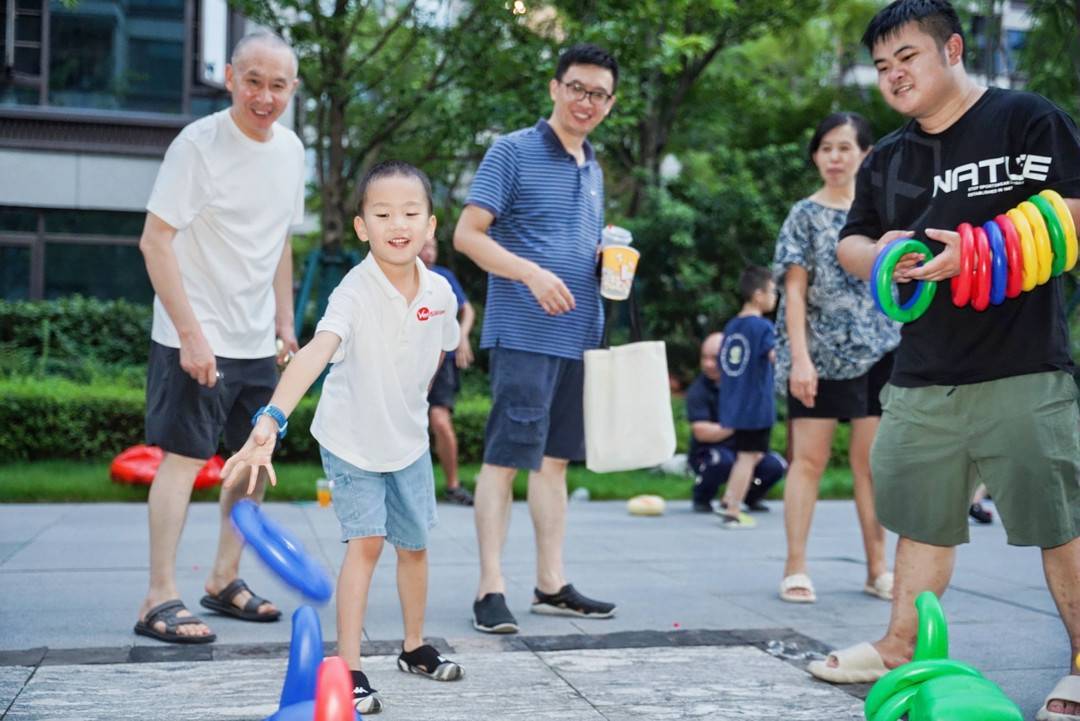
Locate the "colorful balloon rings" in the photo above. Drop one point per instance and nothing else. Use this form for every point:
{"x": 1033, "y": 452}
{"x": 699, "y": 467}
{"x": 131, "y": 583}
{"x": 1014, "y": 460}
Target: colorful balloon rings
{"x": 980, "y": 292}
{"x": 1042, "y": 239}
{"x": 1014, "y": 259}
{"x": 280, "y": 550}
{"x": 1067, "y": 223}
{"x": 962, "y": 281}
{"x": 1057, "y": 234}
{"x": 1027, "y": 248}
{"x": 999, "y": 272}
{"x": 881, "y": 281}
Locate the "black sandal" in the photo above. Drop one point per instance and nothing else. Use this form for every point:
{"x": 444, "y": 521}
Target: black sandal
{"x": 168, "y": 613}
{"x": 222, "y": 603}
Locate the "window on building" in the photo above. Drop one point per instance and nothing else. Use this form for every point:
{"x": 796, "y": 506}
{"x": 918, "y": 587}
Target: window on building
{"x": 48, "y": 253}
{"x": 14, "y": 272}
{"x": 116, "y": 55}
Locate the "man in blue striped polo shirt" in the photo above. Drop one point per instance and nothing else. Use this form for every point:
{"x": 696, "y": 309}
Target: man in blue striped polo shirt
{"x": 533, "y": 220}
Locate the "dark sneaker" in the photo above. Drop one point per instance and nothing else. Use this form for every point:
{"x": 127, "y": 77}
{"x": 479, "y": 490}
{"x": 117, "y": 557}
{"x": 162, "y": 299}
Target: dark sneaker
{"x": 365, "y": 698}
{"x": 702, "y": 507}
{"x": 491, "y": 615}
{"x": 757, "y": 506}
{"x": 459, "y": 495}
{"x": 427, "y": 661}
{"x": 980, "y": 514}
{"x": 568, "y": 602}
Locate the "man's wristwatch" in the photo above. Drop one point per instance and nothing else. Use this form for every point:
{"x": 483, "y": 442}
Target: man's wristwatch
{"x": 277, "y": 414}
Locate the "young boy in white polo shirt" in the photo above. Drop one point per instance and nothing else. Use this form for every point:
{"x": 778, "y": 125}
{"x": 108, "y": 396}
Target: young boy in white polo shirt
{"x": 386, "y": 328}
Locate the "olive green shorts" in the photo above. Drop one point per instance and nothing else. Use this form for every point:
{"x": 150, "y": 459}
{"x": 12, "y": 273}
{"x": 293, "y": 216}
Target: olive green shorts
{"x": 1020, "y": 436}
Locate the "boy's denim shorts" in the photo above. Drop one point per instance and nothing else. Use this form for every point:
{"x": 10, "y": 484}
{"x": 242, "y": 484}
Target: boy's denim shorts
{"x": 398, "y": 505}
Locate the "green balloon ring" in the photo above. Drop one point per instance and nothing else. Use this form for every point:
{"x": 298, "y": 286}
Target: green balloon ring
{"x": 933, "y": 639}
{"x": 882, "y": 282}
{"x": 912, "y": 674}
{"x": 1057, "y": 234}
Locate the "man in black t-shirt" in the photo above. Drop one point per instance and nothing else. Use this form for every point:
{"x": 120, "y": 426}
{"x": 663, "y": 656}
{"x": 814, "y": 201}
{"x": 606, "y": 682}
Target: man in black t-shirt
{"x": 712, "y": 446}
{"x": 974, "y": 396}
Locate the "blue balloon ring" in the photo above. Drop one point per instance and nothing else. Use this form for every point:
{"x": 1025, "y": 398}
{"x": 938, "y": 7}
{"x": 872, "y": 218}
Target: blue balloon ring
{"x": 999, "y": 269}
{"x": 281, "y": 551}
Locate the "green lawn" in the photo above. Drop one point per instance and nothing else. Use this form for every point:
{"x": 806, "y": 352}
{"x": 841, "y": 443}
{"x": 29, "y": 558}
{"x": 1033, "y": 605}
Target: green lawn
{"x": 65, "y": 481}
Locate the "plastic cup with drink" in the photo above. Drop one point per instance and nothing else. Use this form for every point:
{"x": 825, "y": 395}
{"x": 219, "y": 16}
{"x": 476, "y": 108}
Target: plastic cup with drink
{"x": 618, "y": 262}
{"x": 322, "y": 492}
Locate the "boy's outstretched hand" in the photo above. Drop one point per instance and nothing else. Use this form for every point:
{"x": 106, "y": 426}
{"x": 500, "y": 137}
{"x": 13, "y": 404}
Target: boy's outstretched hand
{"x": 254, "y": 456}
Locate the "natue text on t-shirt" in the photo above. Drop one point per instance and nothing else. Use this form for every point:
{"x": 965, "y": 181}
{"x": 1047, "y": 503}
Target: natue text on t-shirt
{"x": 993, "y": 175}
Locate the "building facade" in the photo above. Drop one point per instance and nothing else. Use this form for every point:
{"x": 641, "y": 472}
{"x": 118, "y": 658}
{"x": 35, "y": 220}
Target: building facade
{"x": 91, "y": 95}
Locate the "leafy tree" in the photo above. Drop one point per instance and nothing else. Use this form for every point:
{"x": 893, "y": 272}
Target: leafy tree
{"x": 1050, "y": 58}
{"x": 415, "y": 81}
{"x": 664, "y": 47}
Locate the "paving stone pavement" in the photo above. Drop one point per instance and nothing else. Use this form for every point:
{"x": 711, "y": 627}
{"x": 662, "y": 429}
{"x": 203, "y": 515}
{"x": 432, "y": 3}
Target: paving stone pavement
{"x": 699, "y": 633}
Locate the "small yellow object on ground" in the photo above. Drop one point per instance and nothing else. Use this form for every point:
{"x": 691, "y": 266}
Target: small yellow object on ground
{"x": 645, "y": 506}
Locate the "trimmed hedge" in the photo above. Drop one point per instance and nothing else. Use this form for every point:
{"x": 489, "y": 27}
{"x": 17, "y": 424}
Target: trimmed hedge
{"x": 54, "y": 418}
{"x": 114, "y": 332}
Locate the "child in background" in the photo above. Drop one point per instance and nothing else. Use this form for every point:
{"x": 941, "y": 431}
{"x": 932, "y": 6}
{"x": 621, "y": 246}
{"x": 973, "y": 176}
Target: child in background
{"x": 386, "y": 328}
{"x": 746, "y": 389}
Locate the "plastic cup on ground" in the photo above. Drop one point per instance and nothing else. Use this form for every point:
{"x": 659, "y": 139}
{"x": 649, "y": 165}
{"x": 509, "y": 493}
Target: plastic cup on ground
{"x": 322, "y": 492}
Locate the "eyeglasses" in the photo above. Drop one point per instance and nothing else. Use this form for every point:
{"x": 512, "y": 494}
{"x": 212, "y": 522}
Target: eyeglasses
{"x": 580, "y": 92}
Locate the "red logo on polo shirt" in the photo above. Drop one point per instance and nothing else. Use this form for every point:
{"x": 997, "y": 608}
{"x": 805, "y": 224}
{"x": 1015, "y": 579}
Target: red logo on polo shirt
{"x": 424, "y": 313}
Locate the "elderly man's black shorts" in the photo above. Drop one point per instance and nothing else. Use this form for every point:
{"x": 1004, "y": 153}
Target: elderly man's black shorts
{"x": 188, "y": 419}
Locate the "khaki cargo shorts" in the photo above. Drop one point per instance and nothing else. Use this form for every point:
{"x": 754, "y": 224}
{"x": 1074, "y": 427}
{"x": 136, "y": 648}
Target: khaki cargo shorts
{"x": 1020, "y": 436}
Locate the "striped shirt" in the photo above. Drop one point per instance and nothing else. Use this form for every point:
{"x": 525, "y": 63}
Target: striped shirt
{"x": 549, "y": 210}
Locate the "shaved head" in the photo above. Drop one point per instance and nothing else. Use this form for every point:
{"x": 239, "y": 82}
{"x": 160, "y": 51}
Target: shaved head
{"x": 263, "y": 38}
{"x": 710, "y": 349}
{"x": 711, "y": 345}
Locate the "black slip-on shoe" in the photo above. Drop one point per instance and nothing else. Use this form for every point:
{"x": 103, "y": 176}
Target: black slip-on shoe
{"x": 568, "y": 602}
{"x": 491, "y": 615}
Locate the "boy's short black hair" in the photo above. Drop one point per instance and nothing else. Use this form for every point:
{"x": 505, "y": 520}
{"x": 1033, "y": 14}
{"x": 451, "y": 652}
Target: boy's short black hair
{"x": 864, "y": 134}
{"x": 753, "y": 279}
{"x": 936, "y": 18}
{"x": 587, "y": 54}
{"x": 387, "y": 169}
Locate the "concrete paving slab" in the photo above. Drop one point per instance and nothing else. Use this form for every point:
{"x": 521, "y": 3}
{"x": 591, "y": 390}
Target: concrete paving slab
{"x": 12, "y": 681}
{"x": 679, "y": 568}
{"x": 708, "y": 683}
{"x": 722, "y": 683}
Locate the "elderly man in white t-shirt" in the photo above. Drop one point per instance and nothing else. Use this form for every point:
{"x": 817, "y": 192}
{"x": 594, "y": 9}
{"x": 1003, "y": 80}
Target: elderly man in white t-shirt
{"x": 217, "y": 250}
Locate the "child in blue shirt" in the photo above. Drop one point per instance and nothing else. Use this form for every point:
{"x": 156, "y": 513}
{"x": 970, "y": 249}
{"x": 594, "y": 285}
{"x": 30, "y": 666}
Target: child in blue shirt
{"x": 746, "y": 390}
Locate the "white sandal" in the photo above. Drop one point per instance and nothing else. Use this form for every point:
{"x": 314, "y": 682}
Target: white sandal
{"x": 882, "y": 587}
{"x": 857, "y": 664}
{"x": 1067, "y": 689}
{"x": 797, "y": 582}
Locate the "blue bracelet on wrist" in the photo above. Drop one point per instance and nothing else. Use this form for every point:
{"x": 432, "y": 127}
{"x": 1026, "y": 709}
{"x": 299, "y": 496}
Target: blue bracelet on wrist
{"x": 277, "y": 414}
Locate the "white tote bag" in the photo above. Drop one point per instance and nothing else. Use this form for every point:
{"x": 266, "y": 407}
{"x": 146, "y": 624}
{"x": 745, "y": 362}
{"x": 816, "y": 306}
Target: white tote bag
{"x": 628, "y": 421}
